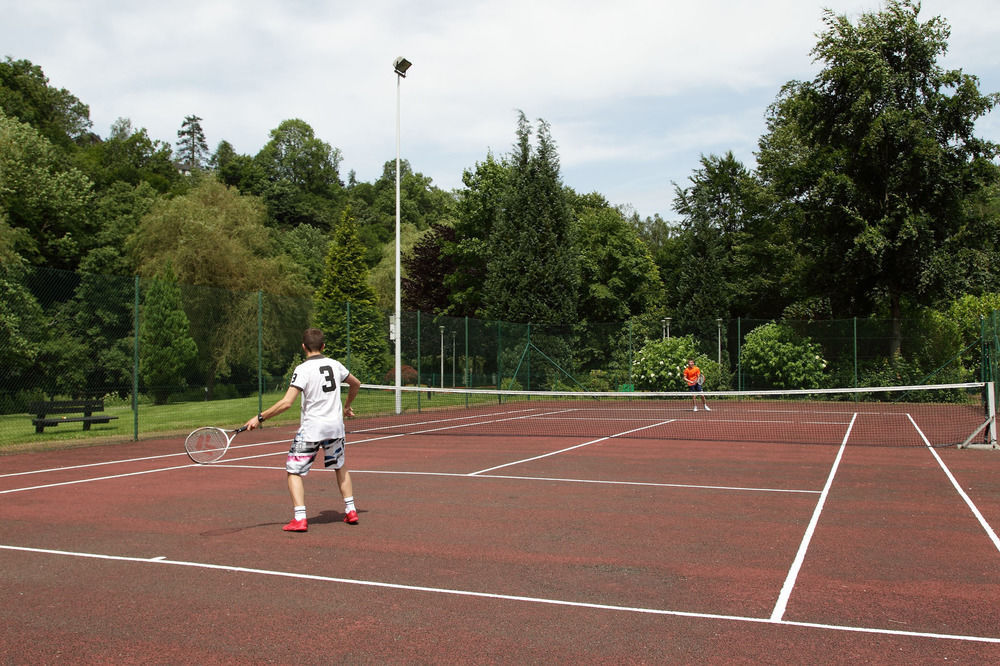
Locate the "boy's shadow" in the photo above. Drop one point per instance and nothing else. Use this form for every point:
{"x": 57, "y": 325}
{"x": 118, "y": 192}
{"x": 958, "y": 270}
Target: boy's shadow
{"x": 328, "y": 516}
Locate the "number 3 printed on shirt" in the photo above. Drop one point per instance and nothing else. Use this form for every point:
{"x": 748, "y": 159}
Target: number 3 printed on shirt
{"x": 331, "y": 384}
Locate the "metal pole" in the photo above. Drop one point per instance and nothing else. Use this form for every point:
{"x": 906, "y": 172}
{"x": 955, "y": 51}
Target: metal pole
{"x": 260, "y": 351}
{"x": 441, "y": 328}
{"x": 399, "y": 332}
{"x": 668, "y": 328}
{"x": 453, "y": 349}
{"x": 718, "y": 322}
{"x": 135, "y": 364}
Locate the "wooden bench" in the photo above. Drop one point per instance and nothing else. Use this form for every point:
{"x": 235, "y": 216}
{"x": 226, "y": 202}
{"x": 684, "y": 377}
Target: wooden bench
{"x": 89, "y": 408}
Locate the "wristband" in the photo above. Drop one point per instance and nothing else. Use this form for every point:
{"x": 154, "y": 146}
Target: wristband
{"x": 260, "y": 417}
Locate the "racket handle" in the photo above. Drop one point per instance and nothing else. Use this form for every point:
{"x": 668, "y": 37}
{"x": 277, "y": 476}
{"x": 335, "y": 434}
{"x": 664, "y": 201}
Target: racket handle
{"x": 239, "y": 430}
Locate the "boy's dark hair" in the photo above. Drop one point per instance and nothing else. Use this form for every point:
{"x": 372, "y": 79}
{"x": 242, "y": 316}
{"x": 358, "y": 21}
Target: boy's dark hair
{"x": 313, "y": 339}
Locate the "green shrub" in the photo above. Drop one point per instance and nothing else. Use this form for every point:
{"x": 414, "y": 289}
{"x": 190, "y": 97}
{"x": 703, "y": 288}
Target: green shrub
{"x": 774, "y": 356}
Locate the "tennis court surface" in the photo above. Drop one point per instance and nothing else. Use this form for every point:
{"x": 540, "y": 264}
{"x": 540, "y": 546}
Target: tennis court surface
{"x": 599, "y": 544}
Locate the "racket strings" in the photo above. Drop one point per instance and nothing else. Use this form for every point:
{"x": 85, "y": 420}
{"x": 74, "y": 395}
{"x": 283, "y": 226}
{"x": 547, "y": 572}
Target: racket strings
{"x": 206, "y": 444}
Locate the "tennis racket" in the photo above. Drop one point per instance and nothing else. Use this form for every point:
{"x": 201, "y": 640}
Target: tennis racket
{"x": 208, "y": 445}
{"x": 701, "y": 379}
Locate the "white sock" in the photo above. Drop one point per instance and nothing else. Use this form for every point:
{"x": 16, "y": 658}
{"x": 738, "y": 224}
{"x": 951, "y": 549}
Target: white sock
{"x": 300, "y": 513}
{"x": 349, "y": 504}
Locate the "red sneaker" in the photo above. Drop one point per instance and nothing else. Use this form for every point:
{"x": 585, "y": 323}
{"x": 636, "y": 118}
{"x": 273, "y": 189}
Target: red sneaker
{"x": 296, "y": 526}
{"x": 351, "y": 518}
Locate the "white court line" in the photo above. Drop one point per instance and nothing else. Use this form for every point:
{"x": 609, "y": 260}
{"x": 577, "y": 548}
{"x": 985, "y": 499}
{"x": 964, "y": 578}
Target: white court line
{"x": 455, "y": 418}
{"x": 793, "y": 572}
{"x": 130, "y": 460}
{"x": 650, "y": 484}
{"x": 570, "y": 448}
{"x": 161, "y": 560}
{"x": 990, "y": 532}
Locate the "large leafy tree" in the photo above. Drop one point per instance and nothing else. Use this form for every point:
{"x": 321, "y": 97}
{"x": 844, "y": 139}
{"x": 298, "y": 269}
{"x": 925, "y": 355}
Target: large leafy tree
{"x": 731, "y": 257}
{"x": 421, "y": 204}
{"x": 217, "y": 241}
{"x": 22, "y": 326}
{"x": 47, "y": 202}
{"x": 479, "y": 206}
{"x": 618, "y": 278}
{"x": 876, "y": 159}
{"x": 129, "y": 155}
{"x": 58, "y": 115}
{"x": 302, "y": 181}
{"x": 532, "y": 273}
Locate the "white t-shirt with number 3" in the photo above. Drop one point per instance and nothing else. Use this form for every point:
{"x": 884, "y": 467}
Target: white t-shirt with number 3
{"x": 319, "y": 378}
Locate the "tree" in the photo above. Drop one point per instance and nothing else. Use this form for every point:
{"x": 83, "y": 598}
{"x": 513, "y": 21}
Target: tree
{"x": 302, "y": 184}
{"x": 22, "y": 327}
{"x": 374, "y": 206}
{"x": 426, "y": 271}
{"x": 532, "y": 273}
{"x": 478, "y": 208}
{"x": 46, "y": 201}
{"x": 876, "y": 159}
{"x": 165, "y": 344}
{"x": 131, "y": 156}
{"x": 192, "y": 148}
{"x": 346, "y": 282}
{"x": 25, "y": 94}
{"x": 216, "y": 243}
{"x": 731, "y": 256}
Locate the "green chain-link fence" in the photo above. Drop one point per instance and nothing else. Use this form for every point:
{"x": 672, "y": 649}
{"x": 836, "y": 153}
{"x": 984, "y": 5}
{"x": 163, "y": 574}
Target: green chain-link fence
{"x": 75, "y": 335}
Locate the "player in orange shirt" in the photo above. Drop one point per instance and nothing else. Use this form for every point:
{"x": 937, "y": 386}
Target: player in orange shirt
{"x": 694, "y": 379}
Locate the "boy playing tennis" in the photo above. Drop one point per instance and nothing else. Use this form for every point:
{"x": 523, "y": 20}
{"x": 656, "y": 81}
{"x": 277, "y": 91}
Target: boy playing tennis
{"x": 692, "y": 375}
{"x": 318, "y": 379}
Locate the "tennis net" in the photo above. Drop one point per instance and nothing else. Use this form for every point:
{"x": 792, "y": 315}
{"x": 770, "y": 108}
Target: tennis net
{"x": 939, "y": 415}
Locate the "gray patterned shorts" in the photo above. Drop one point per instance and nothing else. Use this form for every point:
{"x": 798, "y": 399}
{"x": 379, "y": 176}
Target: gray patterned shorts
{"x": 302, "y": 454}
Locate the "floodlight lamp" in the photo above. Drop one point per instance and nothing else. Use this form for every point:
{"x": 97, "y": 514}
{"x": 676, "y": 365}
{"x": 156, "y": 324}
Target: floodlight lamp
{"x": 401, "y": 64}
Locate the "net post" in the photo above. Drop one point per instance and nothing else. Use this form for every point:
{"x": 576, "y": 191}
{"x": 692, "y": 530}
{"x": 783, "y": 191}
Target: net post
{"x": 991, "y": 407}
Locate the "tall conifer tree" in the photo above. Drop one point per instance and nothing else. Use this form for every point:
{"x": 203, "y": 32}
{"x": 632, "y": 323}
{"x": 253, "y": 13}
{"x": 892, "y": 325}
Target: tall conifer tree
{"x": 532, "y": 271}
{"x": 346, "y": 282}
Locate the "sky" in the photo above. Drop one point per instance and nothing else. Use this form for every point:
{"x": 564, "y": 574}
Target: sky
{"x": 635, "y": 92}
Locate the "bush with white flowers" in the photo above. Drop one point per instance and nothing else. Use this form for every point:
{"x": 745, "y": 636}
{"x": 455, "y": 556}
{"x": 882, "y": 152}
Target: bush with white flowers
{"x": 659, "y": 365}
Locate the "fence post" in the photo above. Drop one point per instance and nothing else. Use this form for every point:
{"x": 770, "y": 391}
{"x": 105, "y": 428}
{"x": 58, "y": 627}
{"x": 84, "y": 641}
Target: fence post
{"x": 499, "y": 369}
{"x": 260, "y": 351}
{"x": 419, "y": 378}
{"x": 855, "y": 352}
{"x": 465, "y": 366}
{"x": 739, "y": 355}
{"x": 135, "y": 365}
{"x": 527, "y": 385}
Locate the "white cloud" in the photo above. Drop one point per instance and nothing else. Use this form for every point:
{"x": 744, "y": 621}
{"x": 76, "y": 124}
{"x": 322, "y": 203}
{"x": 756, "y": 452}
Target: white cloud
{"x": 634, "y": 90}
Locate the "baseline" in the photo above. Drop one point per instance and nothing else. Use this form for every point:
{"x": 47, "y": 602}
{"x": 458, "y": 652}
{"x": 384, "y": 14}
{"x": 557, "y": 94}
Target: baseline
{"x": 161, "y": 560}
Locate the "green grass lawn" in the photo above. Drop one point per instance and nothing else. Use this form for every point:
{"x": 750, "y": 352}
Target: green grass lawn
{"x": 17, "y": 434}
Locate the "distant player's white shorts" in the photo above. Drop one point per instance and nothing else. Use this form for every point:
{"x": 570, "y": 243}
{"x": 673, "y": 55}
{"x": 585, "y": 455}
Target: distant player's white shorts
{"x": 302, "y": 454}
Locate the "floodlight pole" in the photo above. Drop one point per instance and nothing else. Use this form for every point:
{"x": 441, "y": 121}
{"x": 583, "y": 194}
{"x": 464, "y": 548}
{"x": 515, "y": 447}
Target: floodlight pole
{"x": 719, "y": 324}
{"x": 400, "y": 65}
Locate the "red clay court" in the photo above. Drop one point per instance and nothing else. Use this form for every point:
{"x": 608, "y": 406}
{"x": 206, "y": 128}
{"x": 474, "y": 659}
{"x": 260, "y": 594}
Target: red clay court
{"x": 492, "y": 548}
